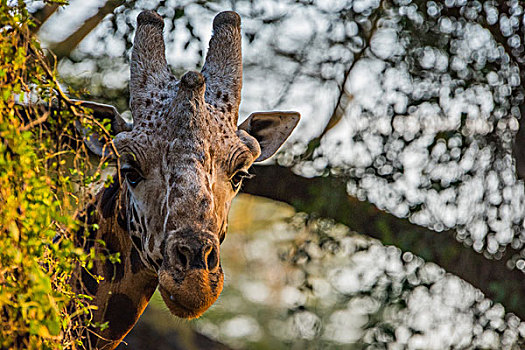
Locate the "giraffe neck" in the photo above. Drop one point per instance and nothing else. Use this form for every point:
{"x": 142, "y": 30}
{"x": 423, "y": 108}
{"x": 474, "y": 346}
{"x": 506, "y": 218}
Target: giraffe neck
{"x": 124, "y": 293}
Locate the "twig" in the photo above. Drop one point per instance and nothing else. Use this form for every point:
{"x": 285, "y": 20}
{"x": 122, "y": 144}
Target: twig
{"x": 336, "y": 116}
{"x": 35, "y": 122}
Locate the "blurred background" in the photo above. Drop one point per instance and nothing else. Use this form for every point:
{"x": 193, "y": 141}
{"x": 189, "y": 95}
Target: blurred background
{"x": 394, "y": 216}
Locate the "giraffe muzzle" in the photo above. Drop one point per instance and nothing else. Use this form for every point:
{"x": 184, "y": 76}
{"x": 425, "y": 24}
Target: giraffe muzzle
{"x": 191, "y": 278}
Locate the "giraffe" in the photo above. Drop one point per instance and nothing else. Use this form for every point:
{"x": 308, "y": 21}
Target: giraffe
{"x": 180, "y": 163}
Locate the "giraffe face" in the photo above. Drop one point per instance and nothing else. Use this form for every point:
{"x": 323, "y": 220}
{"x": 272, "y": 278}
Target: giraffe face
{"x": 179, "y": 177}
{"x": 184, "y": 159}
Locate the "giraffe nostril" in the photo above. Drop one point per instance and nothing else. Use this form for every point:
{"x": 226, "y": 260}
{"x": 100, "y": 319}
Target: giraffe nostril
{"x": 183, "y": 255}
{"x": 211, "y": 257}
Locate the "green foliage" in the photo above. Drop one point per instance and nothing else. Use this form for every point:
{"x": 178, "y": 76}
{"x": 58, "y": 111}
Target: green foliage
{"x": 43, "y": 172}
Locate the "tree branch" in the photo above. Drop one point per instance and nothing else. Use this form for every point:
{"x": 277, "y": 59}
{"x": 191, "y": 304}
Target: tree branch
{"x": 327, "y": 197}
{"x": 64, "y": 48}
{"x": 43, "y": 14}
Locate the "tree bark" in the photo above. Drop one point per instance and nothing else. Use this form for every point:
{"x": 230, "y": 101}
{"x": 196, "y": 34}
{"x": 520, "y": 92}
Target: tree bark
{"x": 327, "y": 197}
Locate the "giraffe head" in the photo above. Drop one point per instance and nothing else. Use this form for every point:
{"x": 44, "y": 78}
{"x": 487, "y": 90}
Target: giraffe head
{"x": 184, "y": 158}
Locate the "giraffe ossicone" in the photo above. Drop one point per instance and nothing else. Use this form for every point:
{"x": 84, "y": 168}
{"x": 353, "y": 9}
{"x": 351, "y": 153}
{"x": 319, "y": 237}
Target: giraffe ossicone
{"x": 180, "y": 164}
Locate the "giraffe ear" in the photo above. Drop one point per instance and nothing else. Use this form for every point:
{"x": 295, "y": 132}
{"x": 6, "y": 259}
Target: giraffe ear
{"x": 94, "y": 142}
{"x": 270, "y": 129}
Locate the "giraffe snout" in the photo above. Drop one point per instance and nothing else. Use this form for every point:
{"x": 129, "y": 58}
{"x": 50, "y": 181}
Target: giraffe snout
{"x": 192, "y": 279}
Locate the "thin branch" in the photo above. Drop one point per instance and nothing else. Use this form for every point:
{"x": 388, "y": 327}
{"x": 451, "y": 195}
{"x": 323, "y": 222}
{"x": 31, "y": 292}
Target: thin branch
{"x": 343, "y": 98}
{"x": 38, "y": 121}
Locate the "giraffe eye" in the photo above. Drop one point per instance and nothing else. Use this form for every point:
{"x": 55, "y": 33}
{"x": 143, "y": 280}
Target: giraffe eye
{"x": 133, "y": 177}
{"x": 237, "y": 178}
